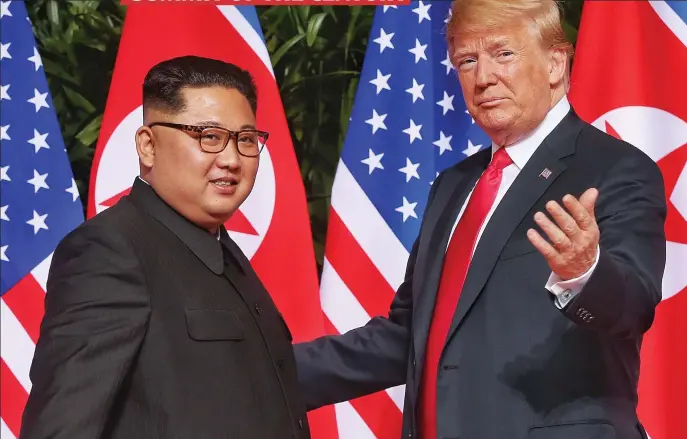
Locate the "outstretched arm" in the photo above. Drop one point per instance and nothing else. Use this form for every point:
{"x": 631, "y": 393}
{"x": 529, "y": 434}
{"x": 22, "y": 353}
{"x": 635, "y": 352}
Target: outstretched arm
{"x": 364, "y": 360}
{"x": 616, "y": 244}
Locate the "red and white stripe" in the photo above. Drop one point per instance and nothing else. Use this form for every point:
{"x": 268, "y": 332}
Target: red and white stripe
{"x": 364, "y": 264}
{"x": 21, "y": 311}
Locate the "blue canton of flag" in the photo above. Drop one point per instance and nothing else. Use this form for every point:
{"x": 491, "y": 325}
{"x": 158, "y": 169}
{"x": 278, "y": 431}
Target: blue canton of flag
{"x": 409, "y": 120}
{"x": 39, "y": 198}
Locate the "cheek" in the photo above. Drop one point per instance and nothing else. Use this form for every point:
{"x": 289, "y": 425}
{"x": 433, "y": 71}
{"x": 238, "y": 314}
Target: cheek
{"x": 249, "y": 169}
{"x": 194, "y": 165}
{"x": 467, "y": 87}
{"x": 169, "y": 159}
{"x": 512, "y": 78}
{"x": 524, "y": 84}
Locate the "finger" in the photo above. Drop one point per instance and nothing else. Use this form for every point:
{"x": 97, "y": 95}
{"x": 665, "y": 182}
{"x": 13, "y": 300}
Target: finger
{"x": 581, "y": 216}
{"x": 564, "y": 221}
{"x": 556, "y": 235}
{"x": 588, "y": 200}
{"x": 542, "y": 245}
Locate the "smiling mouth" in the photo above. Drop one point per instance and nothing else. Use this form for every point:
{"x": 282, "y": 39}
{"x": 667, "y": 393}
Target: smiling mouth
{"x": 225, "y": 182}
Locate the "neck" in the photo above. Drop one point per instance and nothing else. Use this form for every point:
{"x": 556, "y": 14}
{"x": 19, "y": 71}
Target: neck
{"x": 556, "y": 96}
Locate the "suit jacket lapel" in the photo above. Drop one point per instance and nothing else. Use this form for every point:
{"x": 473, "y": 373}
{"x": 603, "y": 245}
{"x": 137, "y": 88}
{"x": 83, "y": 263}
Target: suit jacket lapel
{"x": 527, "y": 188}
{"x": 451, "y": 193}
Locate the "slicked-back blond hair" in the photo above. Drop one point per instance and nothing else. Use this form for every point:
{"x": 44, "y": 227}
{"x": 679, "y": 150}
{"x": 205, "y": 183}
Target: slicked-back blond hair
{"x": 479, "y": 15}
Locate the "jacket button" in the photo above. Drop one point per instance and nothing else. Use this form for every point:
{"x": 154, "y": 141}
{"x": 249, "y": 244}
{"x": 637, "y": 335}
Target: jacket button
{"x": 300, "y": 423}
{"x": 280, "y": 364}
{"x": 258, "y": 309}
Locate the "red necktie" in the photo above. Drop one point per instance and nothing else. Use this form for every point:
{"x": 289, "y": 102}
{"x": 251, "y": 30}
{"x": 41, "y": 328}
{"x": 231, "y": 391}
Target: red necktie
{"x": 456, "y": 264}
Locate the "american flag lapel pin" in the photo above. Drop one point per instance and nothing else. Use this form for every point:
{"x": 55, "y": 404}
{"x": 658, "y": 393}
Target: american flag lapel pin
{"x": 545, "y": 173}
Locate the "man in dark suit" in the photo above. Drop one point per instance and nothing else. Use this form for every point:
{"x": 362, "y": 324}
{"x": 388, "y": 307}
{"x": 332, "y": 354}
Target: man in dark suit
{"x": 537, "y": 267}
{"x": 155, "y": 325}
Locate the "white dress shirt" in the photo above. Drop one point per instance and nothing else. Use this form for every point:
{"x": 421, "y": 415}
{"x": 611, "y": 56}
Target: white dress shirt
{"x": 520, "y": 152}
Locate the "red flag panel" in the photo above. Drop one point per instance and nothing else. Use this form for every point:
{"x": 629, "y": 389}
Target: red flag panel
{"x": 628, "y": 79}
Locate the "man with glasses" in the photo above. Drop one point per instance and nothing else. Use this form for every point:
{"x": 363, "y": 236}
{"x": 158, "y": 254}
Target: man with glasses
{"x": 155, "y": 325}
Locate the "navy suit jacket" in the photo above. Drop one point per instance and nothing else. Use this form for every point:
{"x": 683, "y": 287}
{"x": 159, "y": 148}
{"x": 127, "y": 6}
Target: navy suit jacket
{"x": 514, "y": 366}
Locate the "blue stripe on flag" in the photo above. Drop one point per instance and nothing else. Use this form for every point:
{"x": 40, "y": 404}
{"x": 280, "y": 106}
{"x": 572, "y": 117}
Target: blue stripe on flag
{"x": 680, "y": 7}
{"x": 251, "y": 15}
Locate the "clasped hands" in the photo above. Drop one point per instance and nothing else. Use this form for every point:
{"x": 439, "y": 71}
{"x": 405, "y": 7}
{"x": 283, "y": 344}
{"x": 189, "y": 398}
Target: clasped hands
{"x": 574, "y": 237}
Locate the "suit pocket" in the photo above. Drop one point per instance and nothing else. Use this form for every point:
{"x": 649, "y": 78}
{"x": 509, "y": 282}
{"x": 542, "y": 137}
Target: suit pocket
{"x": 574, "y": 430}
{"x": 517, "y": 248}
{"x": 213, "y": 324}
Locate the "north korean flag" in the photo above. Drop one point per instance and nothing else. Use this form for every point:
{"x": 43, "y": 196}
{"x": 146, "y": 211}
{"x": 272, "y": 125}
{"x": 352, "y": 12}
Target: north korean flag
{"x": 629, "y": 79}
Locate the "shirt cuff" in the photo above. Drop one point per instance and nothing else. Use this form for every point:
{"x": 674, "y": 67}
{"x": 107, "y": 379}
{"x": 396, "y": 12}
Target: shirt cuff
{"x": 566, "y": 290}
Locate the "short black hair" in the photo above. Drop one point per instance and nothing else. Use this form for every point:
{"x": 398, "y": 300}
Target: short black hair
{"x": 163, "y": 84}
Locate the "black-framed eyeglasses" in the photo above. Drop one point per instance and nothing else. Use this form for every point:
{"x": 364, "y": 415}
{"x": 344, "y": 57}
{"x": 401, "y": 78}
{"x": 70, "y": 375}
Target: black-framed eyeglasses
{"x": 213, "y": 139}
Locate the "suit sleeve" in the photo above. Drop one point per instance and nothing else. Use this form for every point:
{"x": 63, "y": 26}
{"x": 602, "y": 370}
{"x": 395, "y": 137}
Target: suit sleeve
{"x": 621, "y": 294}
{"x": 365, "y": 360}
{"x": 96, "y": 315}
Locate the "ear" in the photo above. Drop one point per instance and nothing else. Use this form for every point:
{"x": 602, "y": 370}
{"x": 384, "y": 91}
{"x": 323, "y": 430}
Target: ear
{"x": 145, "y": 146}
{"x": 558, "y": 64}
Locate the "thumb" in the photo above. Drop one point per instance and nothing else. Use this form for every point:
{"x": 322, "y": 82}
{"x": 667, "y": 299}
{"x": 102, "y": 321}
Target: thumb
{"x": 588, "y": 199}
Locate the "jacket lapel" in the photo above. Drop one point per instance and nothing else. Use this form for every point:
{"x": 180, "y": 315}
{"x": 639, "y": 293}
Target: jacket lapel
{"x": 541, "y": 170}
{"x": 452, "y": 191}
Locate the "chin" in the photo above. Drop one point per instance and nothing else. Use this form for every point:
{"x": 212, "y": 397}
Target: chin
{"x": 221, "y": 208}
{"x": 222, "y": 212}
{"x": 495, "y": 121}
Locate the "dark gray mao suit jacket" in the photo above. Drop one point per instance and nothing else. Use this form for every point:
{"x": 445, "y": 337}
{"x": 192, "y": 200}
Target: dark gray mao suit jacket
{"x": 514, "y": 366}
{"x": 155, "y": 329}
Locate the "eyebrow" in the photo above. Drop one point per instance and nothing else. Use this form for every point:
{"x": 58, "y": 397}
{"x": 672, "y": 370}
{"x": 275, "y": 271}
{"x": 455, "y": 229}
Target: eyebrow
{"x": 212, "y": 123}
{"x": 491, "y": 43}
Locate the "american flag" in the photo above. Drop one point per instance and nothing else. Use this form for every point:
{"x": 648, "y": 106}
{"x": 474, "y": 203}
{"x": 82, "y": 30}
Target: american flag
{"x": 408, "y": 123}
{"x": 40, "y": 205}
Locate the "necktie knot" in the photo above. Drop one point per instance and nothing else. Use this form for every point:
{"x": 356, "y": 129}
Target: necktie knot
{"x": 500, "y": 160}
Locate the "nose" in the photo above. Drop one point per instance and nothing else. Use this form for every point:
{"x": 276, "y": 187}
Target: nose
{"x": 485, "y": 72}
{"x": 229, "y": 158}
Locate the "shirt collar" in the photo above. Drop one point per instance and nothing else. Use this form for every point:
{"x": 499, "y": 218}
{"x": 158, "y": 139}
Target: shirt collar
{"x": 521, "y": 151}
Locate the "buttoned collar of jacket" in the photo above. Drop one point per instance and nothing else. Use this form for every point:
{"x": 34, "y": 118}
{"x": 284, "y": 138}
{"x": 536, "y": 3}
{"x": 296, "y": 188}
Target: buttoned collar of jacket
{"x": 202, "y": 243}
